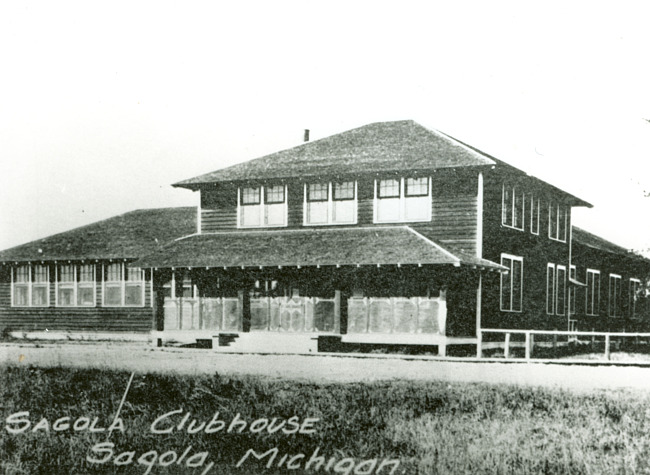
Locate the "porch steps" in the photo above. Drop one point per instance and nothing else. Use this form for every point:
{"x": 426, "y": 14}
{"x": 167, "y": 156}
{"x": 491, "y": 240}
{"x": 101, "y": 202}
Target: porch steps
{"x": 268, "y": 342}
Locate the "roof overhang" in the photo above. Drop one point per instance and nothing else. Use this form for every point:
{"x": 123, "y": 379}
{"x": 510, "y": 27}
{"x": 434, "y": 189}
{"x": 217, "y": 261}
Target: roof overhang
{"x": 338, "y": 247}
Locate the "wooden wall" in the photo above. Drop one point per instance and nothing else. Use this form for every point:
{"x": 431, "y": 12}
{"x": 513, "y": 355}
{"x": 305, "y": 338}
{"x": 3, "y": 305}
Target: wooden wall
{"x": 52, "y": 318}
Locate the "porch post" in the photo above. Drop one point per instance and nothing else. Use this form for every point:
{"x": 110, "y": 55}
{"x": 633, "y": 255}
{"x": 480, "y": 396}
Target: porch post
{"x": 479, "y": 334}
{"x": 158, "y": 300}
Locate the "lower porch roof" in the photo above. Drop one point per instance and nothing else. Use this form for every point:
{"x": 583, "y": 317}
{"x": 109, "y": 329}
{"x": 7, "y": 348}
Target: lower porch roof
{"x": 390, "y": 245}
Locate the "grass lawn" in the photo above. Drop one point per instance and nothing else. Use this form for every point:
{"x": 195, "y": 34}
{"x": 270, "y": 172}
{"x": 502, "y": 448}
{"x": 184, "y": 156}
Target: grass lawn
{"x": 428, "y": 427}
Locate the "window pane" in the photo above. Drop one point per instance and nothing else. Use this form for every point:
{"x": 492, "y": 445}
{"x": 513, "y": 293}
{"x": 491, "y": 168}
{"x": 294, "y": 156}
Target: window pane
{"x": 550, "y": 288}
{"x": 317, "y": 212}
{"x": 39, "y": 295}
{"x": 552, "y": 219}
{"x": 133, "y": 274}
{"x": 66, "y": 274}
{"x": 417, "y": 186}
{"x": 518, "y": 217}
{"x": 133, "y": 294}
{"x": 114, "y": 273}
{"x": 22, "y": 274}
{"x": 113, "y": 295}
{"x": 86, "y": 273}
{"x": 275, "y": 215}
{"x": 21, "y": 295}
{"x": 506, "y": 204}
{"x": 66, "y": 296}
{"x": 251, "y": 216}
{"x": 389, "y": 188}
{"x": 506, "y": 283}
{"x": 86, "y": 296}
{"x": 560, "y": 290}
{"x": 343, "y": 211}
{"x": 274, "y": 194}
{"x": 388, "y": 210}
{"x": 250, "y": 196}
{"x": 317, "y": 192}
{"x": 562, "y": 218}
{"x": 417, "y": 208}
{"x": 344, "y": 191}
{"x": 517, "y": 290}
{"x": 40, "y": 274}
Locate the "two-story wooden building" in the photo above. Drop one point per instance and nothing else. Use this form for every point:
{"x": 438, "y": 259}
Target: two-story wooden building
{"x": 386, "y": 234}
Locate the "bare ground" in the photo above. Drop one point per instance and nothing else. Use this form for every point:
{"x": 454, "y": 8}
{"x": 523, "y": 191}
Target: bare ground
{"x": 342, "y": 368}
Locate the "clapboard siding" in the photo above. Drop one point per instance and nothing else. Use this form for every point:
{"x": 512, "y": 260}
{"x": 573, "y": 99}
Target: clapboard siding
{"x": 98, "y": 318}
{"x": 215, "y": 220}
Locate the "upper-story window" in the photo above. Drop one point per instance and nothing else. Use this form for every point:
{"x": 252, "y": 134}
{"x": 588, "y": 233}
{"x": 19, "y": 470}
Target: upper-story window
{"x": 512, "y": 283}
{"x": 30, "y": 286}
{"x": 330, "y": 203}
{"x": 592, "y": 292}
{"x": 513, "y": 207}
{"x": 262, "y": 206}
{"x": 557, "y": 221}
{"x": 614, "y": 303}
{"x": 535, "y": 203}
{"x": 75, "y": 285}
{"x": 123, "y": 286}
{"x": 402, "y": 200}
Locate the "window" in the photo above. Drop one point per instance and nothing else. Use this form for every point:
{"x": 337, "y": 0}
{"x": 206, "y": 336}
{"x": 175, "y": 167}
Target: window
{"x": 75, "y": 285}
{"x": 30, "y": 286}
{"x": 592, "y": 300}
{"x": 512, "y": 283}
{"x": 512, "y": 207}
{"x": 573, "y": 274}
{"x": 534, "y": 214}
{"x": 330, "y": 203}
{"x": 402, "y": 200}
{"x": 614, "y": 302}
{"x": 557, "y": 221}
{"x": 550, "y": 288}
{"x": 123, "y": 286}
{"x": 634, "y": 290}
{"x": 262, "y": 206}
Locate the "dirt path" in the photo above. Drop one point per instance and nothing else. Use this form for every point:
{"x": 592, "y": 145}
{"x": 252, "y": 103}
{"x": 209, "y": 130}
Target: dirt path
{"x": 139, "y": 358}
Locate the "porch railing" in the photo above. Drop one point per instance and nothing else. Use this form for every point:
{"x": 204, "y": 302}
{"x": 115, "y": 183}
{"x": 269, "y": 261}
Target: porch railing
{"x": 203, "y": 314}
{"x": 295, "y": 314}
{"x": 397, "y": 315}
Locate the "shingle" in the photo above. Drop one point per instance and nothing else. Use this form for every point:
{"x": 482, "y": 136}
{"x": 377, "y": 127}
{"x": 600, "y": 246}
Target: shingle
{"x": 377, "y": 147}
{"x": 309, "y": 247}
{"x": 129, "y": 235}
{"x": 585, "y": 238}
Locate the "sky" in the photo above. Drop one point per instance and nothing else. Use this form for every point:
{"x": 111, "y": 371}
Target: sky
{"x": 103, "y": 105}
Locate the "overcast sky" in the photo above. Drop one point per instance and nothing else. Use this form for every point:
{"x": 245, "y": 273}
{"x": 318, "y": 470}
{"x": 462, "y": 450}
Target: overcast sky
{"x": 104, "y": 104}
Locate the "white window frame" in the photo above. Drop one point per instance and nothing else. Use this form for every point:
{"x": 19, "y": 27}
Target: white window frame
{"x": 330, "y": 205}
{"x": 571, "y": 291}
{"x": 514, "y": 189}
{"x": 559, "y": 206}
{"x": 512, "y": 258}
{"x": 550, "y": 288}
{"x": 29, "y": 285}
{"x": 123, "y": 285}
{"x": 75, "y": 285}
{"x": 614, "y": 277}
{"x": 263, "y": 208}
{"x": 403, "y": 201}
{"x": 535, "y": 204}
{"x": 593, "y": 292}
{"x": 633, "y": 284}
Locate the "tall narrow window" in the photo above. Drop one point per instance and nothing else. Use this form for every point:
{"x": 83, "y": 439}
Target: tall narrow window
{"x": 513, "y": 207}
{"x": 560, "y": 290}
{"x": 572, "y": 290}
{"x": 557, "y": 221}
{"x": 592, "y": 300}
{"x": 534, "y": 214}
{"x": 633, "y": 296}
{"x": 614, "y": 303}
{"x": 134, "y": 287}
{"x": 113, "y": 280}
{"x": 512, "y": 283}
{"x": 30, "y": 286}
{"x": 262, "y": 206}
{"x": 402, "y": 200}
{"x": 550, "y": 288}
{"x": 86, "y": 285}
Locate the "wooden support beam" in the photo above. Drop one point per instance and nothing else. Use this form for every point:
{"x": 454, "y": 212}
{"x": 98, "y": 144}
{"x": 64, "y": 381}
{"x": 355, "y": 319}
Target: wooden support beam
{"x": 527, "y": 355}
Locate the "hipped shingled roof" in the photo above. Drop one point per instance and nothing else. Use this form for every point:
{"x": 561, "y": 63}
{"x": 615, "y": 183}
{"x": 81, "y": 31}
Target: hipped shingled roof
{"x": 585, "y": 238}
{"x": 377, "y": 147}
{"x": 127, "y": 236}
{"x": 309, "y": 247}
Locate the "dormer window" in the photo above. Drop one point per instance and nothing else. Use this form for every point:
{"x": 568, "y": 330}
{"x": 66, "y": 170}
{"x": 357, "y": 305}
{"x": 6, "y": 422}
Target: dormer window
{"x": 330, "y": 203}
{"x": 402, "y": 200}
{"x": 262, "y": 206}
